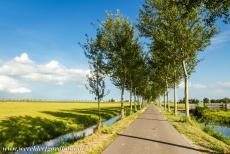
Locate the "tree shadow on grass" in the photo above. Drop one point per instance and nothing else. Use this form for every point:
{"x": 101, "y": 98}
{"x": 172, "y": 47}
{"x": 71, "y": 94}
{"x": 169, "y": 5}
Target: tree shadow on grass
{"x": 82, "y": 121}
{"x": 25, "y": 131}
{"x": 106, "y": 113}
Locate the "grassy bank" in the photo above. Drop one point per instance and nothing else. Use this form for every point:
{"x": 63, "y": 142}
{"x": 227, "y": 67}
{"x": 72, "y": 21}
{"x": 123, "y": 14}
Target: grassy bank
{"x": 97, "y": 142}
{"x": 26, "y": 123}
{"x": 193, "y": 131}
{"x": 215, "y": 116}
{"x": 217, "y": 135}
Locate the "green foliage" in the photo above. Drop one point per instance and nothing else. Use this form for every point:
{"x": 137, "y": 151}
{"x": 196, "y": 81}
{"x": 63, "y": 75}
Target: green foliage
{"x": 224, "y": 100}
{"x": 121, "y": 50}
{"x": 176, "y": 40}
{"x": 210, "y": 10}
{"x": 96, "y": 83}
{"x": 205, "y": 100}
{"x": 212, "y": 116}
{"x": 107, "y": 130}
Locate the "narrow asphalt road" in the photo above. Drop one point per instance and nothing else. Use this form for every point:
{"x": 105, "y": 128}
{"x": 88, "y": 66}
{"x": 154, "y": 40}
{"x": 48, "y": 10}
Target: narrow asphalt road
{"x": 150, "y": 133}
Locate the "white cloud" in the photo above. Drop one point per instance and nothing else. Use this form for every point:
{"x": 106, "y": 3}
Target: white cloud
{"x": 221, "y": 38}
{"x": 223, "y": 85}
{"x": 198, "y": 86}
{"x": 217, "y": 86}
{"x": 193, "y": 85}
{"x": 24, "y": 58}
{"x": 52, "y": 72}
{"x": 10, "y": 85}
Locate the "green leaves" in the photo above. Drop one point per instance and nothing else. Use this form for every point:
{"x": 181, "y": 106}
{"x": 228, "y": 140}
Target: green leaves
{"x": 96, "y": 83}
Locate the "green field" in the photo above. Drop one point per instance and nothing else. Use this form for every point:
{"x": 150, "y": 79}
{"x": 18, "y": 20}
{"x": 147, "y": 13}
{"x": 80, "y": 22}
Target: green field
{"x": 28, "y": 123}
{"x": 214, "y": 116}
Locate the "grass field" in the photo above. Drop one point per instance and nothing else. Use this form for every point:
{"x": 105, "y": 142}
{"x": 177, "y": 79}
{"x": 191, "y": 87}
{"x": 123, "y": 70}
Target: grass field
{"x": 213, "y": 116}
{"x": 28, "y": 123}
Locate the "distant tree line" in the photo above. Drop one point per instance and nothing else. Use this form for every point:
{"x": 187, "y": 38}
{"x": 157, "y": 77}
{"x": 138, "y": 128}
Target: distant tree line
{"x": 191, "y": 101}
{"x": 206, "y": 101}
{"x": 223, "y": 100}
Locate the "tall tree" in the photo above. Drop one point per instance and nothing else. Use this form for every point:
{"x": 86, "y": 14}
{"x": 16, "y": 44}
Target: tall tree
{"x": 96, "y": 83}
{"x": 134, "y": 62}
{"x": 187, "y": 34}
{"x": 119, "y": 38}
{"x": 211, "y": 10}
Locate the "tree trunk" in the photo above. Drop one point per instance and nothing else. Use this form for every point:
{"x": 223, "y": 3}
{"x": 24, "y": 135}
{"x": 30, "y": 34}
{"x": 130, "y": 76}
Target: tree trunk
{"x": 122, "y": 101}
{"x": 138, "y": 100}
{"x": 164, "y": 101}
{"x": 167, "y": 95}
{"x": 130, "y": 99}
{"x": 159, "y": 101}
{"x": 142, "y": 103}
{"x": 137, "y": 103}
{"x": 99, "y": 113}
{"x": 175, "y": 98}
{"x": 186, "y": 90}
{"x": 135, "y": 100}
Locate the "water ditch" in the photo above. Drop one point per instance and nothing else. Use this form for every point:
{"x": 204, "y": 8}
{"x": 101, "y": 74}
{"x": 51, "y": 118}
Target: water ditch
{"x": 224, "y": 130}
{"x": 73, "y": 136}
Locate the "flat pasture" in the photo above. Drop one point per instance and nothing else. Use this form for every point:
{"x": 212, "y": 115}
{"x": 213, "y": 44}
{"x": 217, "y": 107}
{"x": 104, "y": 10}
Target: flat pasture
{"x": 27, "y": 123}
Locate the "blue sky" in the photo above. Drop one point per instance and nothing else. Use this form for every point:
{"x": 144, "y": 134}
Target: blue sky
{"x": 40, "y": 57}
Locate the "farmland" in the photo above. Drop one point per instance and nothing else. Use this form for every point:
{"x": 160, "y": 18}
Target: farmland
{"x": 28, "y": 123}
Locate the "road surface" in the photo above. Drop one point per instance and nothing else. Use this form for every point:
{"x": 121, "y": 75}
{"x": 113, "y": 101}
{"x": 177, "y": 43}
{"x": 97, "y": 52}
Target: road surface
{"x": 150, "y": 133}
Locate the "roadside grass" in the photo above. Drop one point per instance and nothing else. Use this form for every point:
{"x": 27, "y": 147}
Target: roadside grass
{"x": 97, "y": 142}
{"x": 24, "y": 124}
{"x": 193, "y": 131}
{"x": 217, "y": 135}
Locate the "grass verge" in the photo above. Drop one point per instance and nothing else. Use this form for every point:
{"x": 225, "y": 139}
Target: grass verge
{"x": 97, "y": 142}
{"x": 193, "y": 131}
{"x": 217, "y": 135}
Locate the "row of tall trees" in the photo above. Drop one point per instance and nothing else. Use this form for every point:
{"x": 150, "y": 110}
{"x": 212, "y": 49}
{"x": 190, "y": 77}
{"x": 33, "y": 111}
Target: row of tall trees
{"x": 176, "y": 40}
{"x": 176, "y": 32}
{"x": 116, "y": 52}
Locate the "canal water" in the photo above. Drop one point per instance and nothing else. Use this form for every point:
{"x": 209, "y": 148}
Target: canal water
{"x": 222, "y": 129}
{"x": 73, "y": 136}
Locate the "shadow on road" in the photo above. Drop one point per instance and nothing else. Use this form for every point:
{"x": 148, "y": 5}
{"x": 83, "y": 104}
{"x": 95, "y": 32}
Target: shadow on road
{"x": 167, "y": 143}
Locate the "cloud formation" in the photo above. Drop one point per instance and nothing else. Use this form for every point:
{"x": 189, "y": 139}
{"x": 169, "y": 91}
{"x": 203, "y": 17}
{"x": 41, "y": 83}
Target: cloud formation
{"x": 193, "y": 85}
{"x": 221, "y": 38}
{"x": 224, "y": 85}
{"x": 10, "y": 85}
{"x": 198, "y": 86}
{"x": 218, "y": 86}
{"x": 22, "y": 67}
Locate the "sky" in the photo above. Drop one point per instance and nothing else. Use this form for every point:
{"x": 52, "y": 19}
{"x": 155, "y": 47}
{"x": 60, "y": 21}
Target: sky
{"x": 40, "y": 57}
